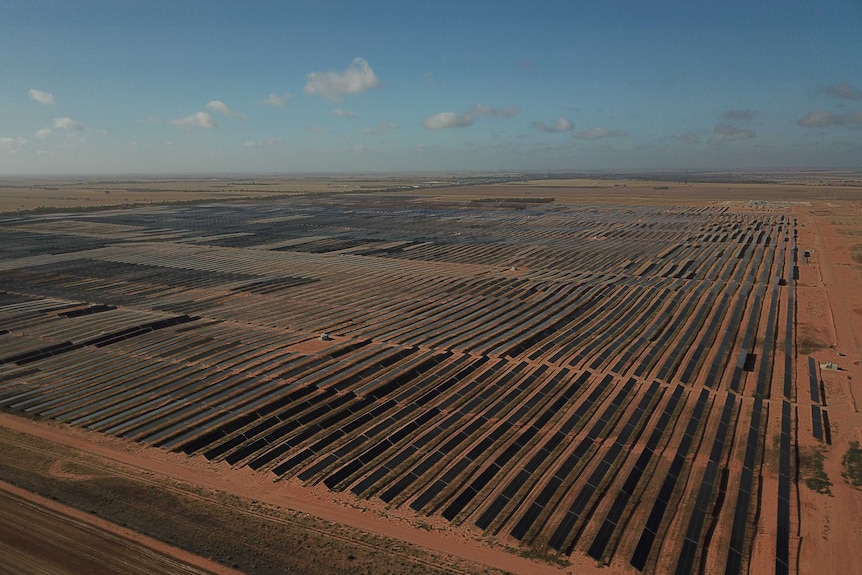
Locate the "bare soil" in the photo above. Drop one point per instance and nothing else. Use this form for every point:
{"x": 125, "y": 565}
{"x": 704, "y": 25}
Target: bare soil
{"x": 830, "y": 304}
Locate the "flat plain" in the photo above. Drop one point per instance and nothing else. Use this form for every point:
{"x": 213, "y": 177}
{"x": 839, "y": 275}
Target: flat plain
{"x": 443, "y": 374}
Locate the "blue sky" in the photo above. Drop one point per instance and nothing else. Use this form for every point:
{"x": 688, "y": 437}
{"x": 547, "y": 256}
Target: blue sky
{"x": 114, "y": 87}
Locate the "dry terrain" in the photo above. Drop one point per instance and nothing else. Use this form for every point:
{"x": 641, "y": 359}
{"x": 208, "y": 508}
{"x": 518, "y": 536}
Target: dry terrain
{"x": 482, "y": 374}
{"x": 38, "y": 535}
{"x": 95, "y": 193}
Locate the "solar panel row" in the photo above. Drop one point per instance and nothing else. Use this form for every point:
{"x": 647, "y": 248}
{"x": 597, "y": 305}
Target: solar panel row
{"x": 651, "y": 529}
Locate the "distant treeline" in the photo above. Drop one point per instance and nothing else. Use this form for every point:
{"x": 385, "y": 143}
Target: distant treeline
{"x": 512, "y": 200}
{"x": 40, "y": 210}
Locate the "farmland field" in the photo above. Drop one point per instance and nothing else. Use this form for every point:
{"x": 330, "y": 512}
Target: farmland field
{"x": 614, "y": 376}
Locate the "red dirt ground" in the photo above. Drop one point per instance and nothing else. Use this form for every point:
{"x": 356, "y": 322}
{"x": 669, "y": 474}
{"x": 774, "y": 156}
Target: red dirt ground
{"x": 830, "y": 530}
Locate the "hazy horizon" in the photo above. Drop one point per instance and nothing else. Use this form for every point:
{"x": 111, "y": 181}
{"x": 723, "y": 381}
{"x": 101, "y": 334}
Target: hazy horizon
{"x": 621, "y": 174}
{"x": 98, "y": 88}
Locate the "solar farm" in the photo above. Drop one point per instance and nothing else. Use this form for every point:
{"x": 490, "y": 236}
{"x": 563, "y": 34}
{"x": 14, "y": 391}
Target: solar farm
{"x": 616, "y": 383}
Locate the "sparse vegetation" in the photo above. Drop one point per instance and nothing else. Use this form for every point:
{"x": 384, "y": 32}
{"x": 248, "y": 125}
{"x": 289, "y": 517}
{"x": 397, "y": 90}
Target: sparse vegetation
{"x": 510, "y": 203}
{"x": 522, "y": 200}
{"x": 545, "y": 556}
{"x": 812, "y": 472}
{"x": 856, "y": 253}
{"x": 808, "y": 345}
{"x": 851, "y": 464}
{"x": 265, "y": 541}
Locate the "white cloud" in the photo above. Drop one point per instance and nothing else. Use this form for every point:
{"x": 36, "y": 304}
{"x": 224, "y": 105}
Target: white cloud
{"x": 356, "y": 78}
{"x": 43, "y": 133}
{"x": 689, "y": 138}
{"x": 448, "y": 120}
{"x": 12, "y": 144}
{"x": 67, "y": 124}
{"x": 45, "y": 98}
{"x": 318, "y": 129}
{"x": 739, "y": 115}
{"x": 824, "y": 119}
{"x": 844, "y": 91}
{"x": 556, "y": 126}
{"x": 507, "y": 112}
{"x": 343, "y": 113}
{"x": 196, "y": 120}
{"x": 223, "y": 109}
{"x": 381, "y": 128}
{"x": 455, "y": 120}
{"x": 275, "y": 100}
{"x": 817, "y": 119}
{"x": 728, "y": 133}
{"x": 599, "y": 133}
{"x": 262, "y": 143}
